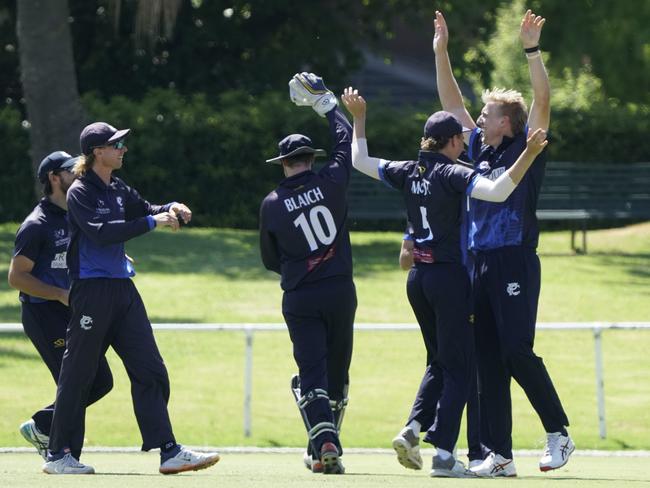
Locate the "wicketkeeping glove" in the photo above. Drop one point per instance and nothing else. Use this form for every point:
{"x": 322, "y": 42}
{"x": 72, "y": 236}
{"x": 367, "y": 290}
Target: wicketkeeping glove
{"x": 308, "y": 89}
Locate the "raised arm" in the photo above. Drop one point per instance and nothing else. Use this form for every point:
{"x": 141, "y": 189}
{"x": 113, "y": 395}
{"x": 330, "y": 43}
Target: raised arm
{"x": 540, "y": 110}
{"x": 356, "y": 105}
{"x": 448, "y": 90}
{"x": 499, "y": 190}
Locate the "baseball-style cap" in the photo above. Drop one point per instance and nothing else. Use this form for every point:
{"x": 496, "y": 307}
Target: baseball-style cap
{"x": 443, "y": 124}
{"x": 293, "y": 145}
{"x": 54, "y": 161}
{"x": 99, "y": 134}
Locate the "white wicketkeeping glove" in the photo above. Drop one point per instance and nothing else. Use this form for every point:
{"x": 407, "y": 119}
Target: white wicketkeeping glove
{"x": 308, "y": 89}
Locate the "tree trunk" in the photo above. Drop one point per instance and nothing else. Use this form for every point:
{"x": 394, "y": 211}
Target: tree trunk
{"x": 48, "y": 77}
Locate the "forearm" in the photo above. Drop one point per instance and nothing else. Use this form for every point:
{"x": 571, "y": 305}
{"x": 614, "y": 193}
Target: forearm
{"x": 448, "y": 89}
{"x": 362, "y": 161}
{"x": 517, "y": 171}
{"x": 29, "y": 284}
{"x": 540, "y": 109}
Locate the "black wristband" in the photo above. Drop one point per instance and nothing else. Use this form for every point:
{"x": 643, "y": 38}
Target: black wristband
{"x": 529, "y": 50}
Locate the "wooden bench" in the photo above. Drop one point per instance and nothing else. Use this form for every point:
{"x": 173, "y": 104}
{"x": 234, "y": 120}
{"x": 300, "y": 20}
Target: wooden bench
{"x": 574, "y": 193}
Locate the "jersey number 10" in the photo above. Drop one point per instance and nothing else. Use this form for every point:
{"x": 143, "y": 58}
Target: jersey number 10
{"x": 313, "y": 229}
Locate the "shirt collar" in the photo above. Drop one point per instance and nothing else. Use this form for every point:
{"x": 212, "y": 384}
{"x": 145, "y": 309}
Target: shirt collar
{"x": 93, "y": 178}
{"x": 48, "y": 206}
{"x": 297, "y": 179}
{"x": 433, "y": 157}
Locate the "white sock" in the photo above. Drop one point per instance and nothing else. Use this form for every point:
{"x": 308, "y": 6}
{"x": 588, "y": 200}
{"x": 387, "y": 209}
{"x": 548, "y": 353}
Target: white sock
{"x": 443, "y": 454}
{"x": 415, "y": 426}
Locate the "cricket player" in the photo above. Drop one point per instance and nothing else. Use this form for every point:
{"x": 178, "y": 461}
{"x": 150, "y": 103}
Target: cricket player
{"x": 107, "y": 310}
{"x": 38, "y": 270}
{"x": 438, "y": 286}
{"x": 304, "y": 238}
{"x": 476, "y": 450}
{"x": 503, "y": 240}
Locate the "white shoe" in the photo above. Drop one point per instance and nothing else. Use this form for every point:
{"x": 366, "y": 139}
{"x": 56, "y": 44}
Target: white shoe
{"x": 558, "y": 449}
{"x": 495, "y": 465}
{"x": 407, "y": 447}
{"x": 475, "y": 462}
{"x": 67, "y": 465}
{"x": 187, "y": 460}
{"x": 449, "y": 468}
{"x": 35, "y": 437}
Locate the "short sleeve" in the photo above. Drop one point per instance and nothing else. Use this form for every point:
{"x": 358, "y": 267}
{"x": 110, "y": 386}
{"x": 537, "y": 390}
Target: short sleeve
{"x": 29, "y": 241}
{"x": 460, "y": 177}
{"x": 394, "y": 173}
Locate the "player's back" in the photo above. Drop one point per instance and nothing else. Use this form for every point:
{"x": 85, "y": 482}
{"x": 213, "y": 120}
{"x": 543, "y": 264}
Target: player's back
{"x": 306, "y": 217}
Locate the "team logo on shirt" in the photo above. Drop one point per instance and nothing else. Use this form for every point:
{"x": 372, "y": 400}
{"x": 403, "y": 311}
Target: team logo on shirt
{"x": 59, "y": 343}
{"x": 101, "y": 207}
{"x": 513, "y": 289}
{"x": 59, "y": 261}
{"x": 86, "y": 322}
{"x": 60, "y": 239}
{"x": 119, "y": 201}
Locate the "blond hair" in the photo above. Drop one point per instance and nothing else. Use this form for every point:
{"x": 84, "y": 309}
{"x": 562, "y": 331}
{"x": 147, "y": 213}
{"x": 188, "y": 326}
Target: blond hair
{"x": 511, "y": 104}
{"x": 434, "y": 144}
{"x": 83, "y": 164}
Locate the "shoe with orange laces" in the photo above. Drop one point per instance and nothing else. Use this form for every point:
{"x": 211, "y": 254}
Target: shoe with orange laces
{"x": 495, "y": 465}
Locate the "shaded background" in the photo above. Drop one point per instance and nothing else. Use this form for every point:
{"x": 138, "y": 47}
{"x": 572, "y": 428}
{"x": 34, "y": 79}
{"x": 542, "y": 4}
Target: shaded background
{"x": 203, "y": 83}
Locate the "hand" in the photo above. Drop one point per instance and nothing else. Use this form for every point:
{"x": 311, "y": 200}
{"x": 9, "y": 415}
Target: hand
{"x": 536, "y": 142}
{"x": 354, "y": 102}
{"x": 308, "y": 89}
{"x": 181, "y": 211}
{"x": 531, "y": 29}
{"x": 166, "y": 219}
{"x": 441, "y": 37}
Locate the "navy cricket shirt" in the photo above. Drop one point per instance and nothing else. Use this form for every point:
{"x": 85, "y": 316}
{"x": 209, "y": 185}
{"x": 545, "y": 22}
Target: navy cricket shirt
{"x": 303, "y": 223}
{"x": 43, "y": 238}
{"x": 102, "y": 217}
{"x": 513, "y": 222}
{"x": 433, "y": 188}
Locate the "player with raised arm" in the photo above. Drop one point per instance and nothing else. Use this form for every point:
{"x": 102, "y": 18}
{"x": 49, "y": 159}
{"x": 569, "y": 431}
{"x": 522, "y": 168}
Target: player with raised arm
{"x": 39, "y": 271}
{"x": 503, "y": 238}
{"x": 438, "y": 288}
{"x": 304, "y": 238}
{"x": 107, "y": 310}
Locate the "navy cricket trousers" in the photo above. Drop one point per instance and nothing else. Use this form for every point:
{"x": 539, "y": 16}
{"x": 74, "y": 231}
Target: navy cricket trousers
{"x": 109, "y": 312}
{"x": 440, "y": 296}
{"x": 45, "y": 324}
{"x": 506, "y": 292}
{"x": 320, "y": 319}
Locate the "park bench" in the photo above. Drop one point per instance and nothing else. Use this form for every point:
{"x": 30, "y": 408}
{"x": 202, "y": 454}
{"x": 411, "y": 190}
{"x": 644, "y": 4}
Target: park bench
{"x": 575, "y": 194}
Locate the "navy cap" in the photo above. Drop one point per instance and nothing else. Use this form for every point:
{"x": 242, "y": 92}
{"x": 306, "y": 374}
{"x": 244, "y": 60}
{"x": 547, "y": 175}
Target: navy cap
{"x": 54, "y": 161}
{"x": 293, "y": 145}
{"x": 443, "y": 124}
{"x": 99, "y": 134}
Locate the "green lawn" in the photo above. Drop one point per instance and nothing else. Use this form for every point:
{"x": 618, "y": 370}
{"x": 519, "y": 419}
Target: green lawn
{"x": 139, "y": 470}
{"x": 207, "y": 275}
{"x": 215, "y": 275}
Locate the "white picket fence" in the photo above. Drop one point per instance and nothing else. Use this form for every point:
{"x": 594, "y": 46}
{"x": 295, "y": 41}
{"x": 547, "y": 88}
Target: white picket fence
{"x": 249, "y": 330}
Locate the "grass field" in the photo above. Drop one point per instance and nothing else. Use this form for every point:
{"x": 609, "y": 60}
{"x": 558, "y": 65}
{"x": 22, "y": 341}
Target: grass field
{"x": 139, "y": 470}
{"x": 215, "y": 275}
{"x": 207, "y": 275}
